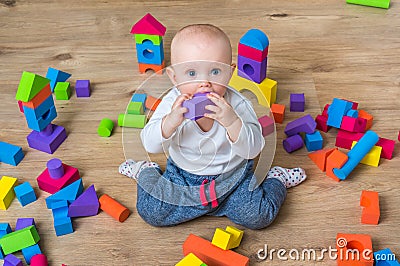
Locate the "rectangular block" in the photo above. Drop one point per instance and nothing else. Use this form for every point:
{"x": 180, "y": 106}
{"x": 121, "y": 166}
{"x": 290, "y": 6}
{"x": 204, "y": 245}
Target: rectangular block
{"x": 50, "y": 185}
{"x": 10, "y": 154}
{"x": 47, "y": 143}
{"x": 24, "y": 223}
{"x": 38, "y": 120}
{"x": 156, "y": 68}
{"x": 20, "y": 239}
{"x": 39, "y": 98}
{"x": 367, "y": 116}
{"x": 370, "y": 202}
{"x": 139, "y": 97}
{"x": 154, "y": 39}
{"x": 373, "y": 156}
{"x": 31, "y": 251}
{"x": 278, "y": 111}
{"x": 304, "y": 124}
{"x": 25, "y": 193}
{"x": 336, "y": 111}
{"x": 387, "y": 147}
{"x": 345, "y": 139}
{"x": 252, "y": 53}
{"x": 347, "y": 242}
{"x": 7, "y": 193}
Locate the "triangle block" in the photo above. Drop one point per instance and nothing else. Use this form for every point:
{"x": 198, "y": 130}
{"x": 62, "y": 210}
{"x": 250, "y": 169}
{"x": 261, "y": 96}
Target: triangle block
{"x": 29, "y": 86}
{"x": 319, "y": 157}
{"x": 55, "y": 75}
{"x": 87, "y": 204}
{"x": 148, "y": 25}
{"x": 69, "y": 193}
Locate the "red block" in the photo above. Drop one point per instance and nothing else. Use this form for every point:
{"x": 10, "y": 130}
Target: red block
{"x": 344, "y": 139}
{"x": 252, "y": 53}
{"x": 367, "y": 116}
{"x": 345, "y": 243}
{"x": 352, "y": 124}
{"x": 355, "y": 105}
{"x": 325, "y": 111}
{"x": 387, "y": 147}
{"x": 267, "y": 125}
{"x": 50, "y": 185}
{"x": 321, "y": 123}
{"x": 371, "y": 211}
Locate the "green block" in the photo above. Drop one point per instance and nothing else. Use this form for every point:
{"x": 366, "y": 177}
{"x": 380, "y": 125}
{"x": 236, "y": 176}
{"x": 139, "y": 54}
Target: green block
{"x": 129, "y": 120}
{"x": 105, "y": 128}
{"x": 155, "y": 39}
{"x": 19, "y": 239}
{"x": 135, "y": 108}
{"x": 62, "y": 91}
{"x": 373, "y": 3}
{"x": 29, "y": 86}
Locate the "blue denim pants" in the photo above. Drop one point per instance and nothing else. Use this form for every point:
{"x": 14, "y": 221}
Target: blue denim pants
{"x": 252, "y": 209}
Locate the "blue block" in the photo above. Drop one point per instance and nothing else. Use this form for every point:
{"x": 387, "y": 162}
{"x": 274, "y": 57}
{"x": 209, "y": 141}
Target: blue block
{"x": 148, "y": 53}
{"x": 385, "y": 257}
{"x": 1, "y": 254}
{"x": 5, "y": 229}
{"x": 40, "y": 110}
{"x": 314, "y": 141}
{"x": 25, "y": 193}
{"x": 55, "y": 75}
{"x": 336, "y": 111}
{"x": 63, "y": 226}
{"x": 69, "y": 193}
{"x": 31, "y": 251}
{"x": 352, "y": 113}
{"x": 41, "y": 116}
{"x": 139, "y": 97}
{"x": 256, "y": 39}
{"x": 10, "y": 154}
{"x": 60, "y": 210}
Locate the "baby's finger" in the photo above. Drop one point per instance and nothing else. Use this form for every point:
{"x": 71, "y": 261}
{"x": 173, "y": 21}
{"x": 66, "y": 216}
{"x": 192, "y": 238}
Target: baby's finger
{"x": 212, "y": 108}
{"x": 210, "y": 115}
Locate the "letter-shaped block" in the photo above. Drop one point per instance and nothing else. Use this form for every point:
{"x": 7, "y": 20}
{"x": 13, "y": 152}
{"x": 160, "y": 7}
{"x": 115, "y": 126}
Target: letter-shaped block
{"x": 304, "y": 124}
{"x": 129, "y": 120}
{"x": 82, "y": 88}
{"x": 135, "y": 108}
{"x": 314, "y": 141}
{"x": 387, "y": 147}
{"x": 320, "y": 157}
{"x": 367, "y": 116}
{"x": 278, "y": 111}
{"x": 349, "y": 245}
{"x": 51, "y": 185}
{"x": 373, "y": 157}
{"x": 256, "y": 39}
{"x": 23, "y": 223}
{"x": 55, "y": 75}
{"x": 267, "y": 125}
{"x": 11, "y": 260}
{"x": 293, "y": 143}
{"x": 39, "y": 98}
{"x": 336, "y": 111}
{"x": 371, "y": 211}
{"x": 196, "y": 106}
{"x": 345, "y": 139}
{"x": 86, "y": 204}
{"x": 39, "y": 260}
{"x": 113, "y": 208}
{"x": 152, "y": 102}
{"x": 158, "y": 69}
{"x": 148, "y": 53}
{"x": 10, "y": 154}
{"x": 7, "y": 193}
{"x": 252, "y": 69}
{"x": 20, "y": 239}
{"x": 48, "y": 140}
{"x": 321, "y": 123}
{"x": 29, "y": 86}
{"x": 190, "y": 260}
{"x": 25, "y": 193}
{"x": 374, "y": 3}
{"x": 68, "y": 193}
{"x": 62, "y": 91}
{"x": 105, "y": 128}
{"x": 252, "y": 53}
{"x": 212, "y": 255}
{"x": 31, "y": 251}
{"x": 334, "y": 160}
{"x": 297, "y": 102}
{"x": 385, "y": 257}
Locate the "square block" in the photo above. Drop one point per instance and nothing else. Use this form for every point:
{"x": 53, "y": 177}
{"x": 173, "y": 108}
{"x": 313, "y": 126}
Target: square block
{"x": 251, "y": 69}
{"x": 297, "y": 102}
{"x": 252, "y": 53}
{"x": 278, "y": 111}
{"x": 352, "y": 124}
{"x": 62, "y": 91}
{"x": 55, "y": 76}
{"x": 25, "y": 193}
{"x": 7, "y": 193}
{"x": 387, "y": 147}
{"x": 314, "y": 141}
{"x": 135, "y": 108}
{"x": 321, "y": 123}
{"x": 40, "y": 117}
{"x": 50, "y": 143}
{"x": 82, "y": 88}
{"x": 10, "y": 154}
{"x": 63, "y": 226}
{"x": 5, "y": 228}
{"x": 221, "y": 239}
{"x": 24, "y": 223}
{"x": 148, "y": 53}
{"x": 267, "y": 125}
{"x": 196, "y": 106}
{"x": 50, "y": 185}
{"x": 152, "y": 103}
{"x": 31, "y": 251}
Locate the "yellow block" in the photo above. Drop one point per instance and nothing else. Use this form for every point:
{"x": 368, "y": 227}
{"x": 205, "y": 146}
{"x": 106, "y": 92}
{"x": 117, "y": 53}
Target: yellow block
{"x": 373, "y": 156}
{"x": 7, "y": 193}
{"x": 236, "y": 236}
{"x": 265, "y": 91}
{"x": 222, "y": 239}
{"x": 190, "y": 260}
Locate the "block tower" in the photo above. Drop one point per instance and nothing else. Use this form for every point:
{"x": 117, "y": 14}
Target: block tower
{"x": 251, "y": 68}
{"x": 34, "y": 92}
{"x": 148, "y": 33}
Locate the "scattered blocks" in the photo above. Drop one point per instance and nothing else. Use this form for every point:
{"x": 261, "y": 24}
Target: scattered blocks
{"x": 387, "y": 147}
{"x": 345, "y": 139}
{"x": 371, "y": 211}
{"x": 20, "y": 239}
{"x": 82, "y": 88}
{"x": 139, "y": 97}
{"x": 25, "y": 193}
{"x": 374, "y": 3}
{"x": 10, "y": 154}
{"x": 39, "y": 118}
{"x": 385, "y": 257}
{"x": 320, "y": 157}
{"x": 314, "y": 141}
{"x": 336, "y": 111}
{"x": 368, "y": 117}
{"x": 335, "y": 160}
{"x": 55, "y": 75}
{"x": 29, "y": 86}
{"x": 39, "y": 260}
{"x": 304, "y": 124}
{"x": 297, "y": 102}
{"x": 7, "y": 193}
{"x": 152, "y": 103}
{"x": 345, "y": 243}
{"x": 62, "y": 91}
{"x": 39, "y": 98}
{"x": 222, "y": 239}
{"x": 196, "y": 106}
{"x": 373, "y": 157}
{"x": 31, "y": 251}
{"x": 278, "y": 111}
{"x": 105, "y": 128}
{"x": 190, "y": 260}
{"x": 267, "y": 125}
{"x": 23, "y": 223}
{"x": 86, "y": 204}
{"x": 352, "y": 124}
{"x": 252, "y": 69}
{"x": 113, "y": 208}
{"x": 321, "y": 123}
{"x": 62, "y": 223}
{"x": 69, "y": 194}
{"x": 11, "y": 260}
{"x": 48, "y": 140}
{"x": 293, "y": 143}
{"x": 135, "y": 108}
{"x": 129, "y": 120}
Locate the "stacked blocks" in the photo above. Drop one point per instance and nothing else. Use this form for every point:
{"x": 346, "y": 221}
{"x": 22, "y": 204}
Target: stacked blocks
{"x": 68, "y": 194}
{"x": 62, "y": 91}
{"x": 55, "y": 75}
{"x": 320, "y": 157}
{"x": 314, "y": 141}
{"x": 385, "y": 257}
{"x": 297, "y": 102}
{"x": 134, "y": 116}
{"x": 10, "y": 154}
{"x": 152, "y": 102}
{"x": 347, "y": 242}
{"x": 148, "y": 33}
{"x": 62, "y": 223}
{"x": 336, "y": 111}
{"x": 86, "y": 204}
{"x": 370, "y": 202}
{"x": 305, "y": 124}
{"x": 105, "y": 128}
{"x": 196, "y": 106}
{"x": 267, "y": 125}
{"x": 19, "y": 240}
{"x": 228, "y": 238}
{"x": 25, "y": 193}
{"x": 7, "y": 193}
{"x": 113, "y": 208}
{"x": 278, "y": 111}
{"x": 82, "y": 88}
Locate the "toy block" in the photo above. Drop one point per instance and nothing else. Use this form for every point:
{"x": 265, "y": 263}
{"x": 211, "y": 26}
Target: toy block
{"x": 354, "y": 105}
{"x": 68, "y": 193}
{"x": 352, "y": 113}
{"x": 29, "y": 86}
{"x": 23, "y": 223}
{"x": 10, "y": 154}
{"x": 62, "y": 91}
{"x": 398, "y": 136}
{"x": 335, "y": 160}
{"x": 59, "y": 209}
{"x": 212, "y": 255}
{"x": 267, "y": 125}
{"x": 148, "y": 53}
{"x": 336, "y": 111}
{"x": 39, "y": 260}
{"x": 321, "y": 123}
{"x": 139, "y": 97}
{"x": 304, "y": 124}
{"x": 63, "y": 226}
{"x": 265, "y": 91}
{"x": 297, "y": 102}
{"x": 158, "y": 69}
{"x": 314, "y": 141}
{"x": 252, "y": 69}
{"x": 129, "y": 120}
{"x": 349, "y": 245}
{"x": 105, "y": 128}
{"x": 385, "y": 257}
{"x": 373, "y": 157}
{"x": 39, "y": 98}
{"x": 42, "y": 116}
{"x": 11, "y": 260}
{"x": 325, "y": 111}
{"x": 113, "y": 208}
{"x": 293, "y": 143}
{"x": 31, "y": 251}
{"x": 278, "y": 111}
{"x": 7, "y": 193}
{"x": 152, "y": 103}
{"x": 374, "y": 3}
{"x": 222, "y": 239}
{"x": 20, "y": 239}
{"x": 371, "y": 211}
{"x": 256, "y": 39}
{"x": 356, "y": 154}
{"x": 86, "y": 204}
{"x": 20, "y": 106}
{"x": 82, "y": 88}
{"x": 135, "y": 108}
{"x": 352, "y": 124}
{"x": 48, "y": 140}
{"x": 51, "y": 185}
{"x": 148, "y": 25}
{"x": 55, "y": 76}
{"x": 252, "y": 53}
{"x": 387, "y": 147}
{"x": 196, "y": 106}
{"x": 320, "y": 157}
{"x": 237, "y": 236}
{"x": 154, "y": 39}
{"x": 367, "y": 116}
{"x": 344, "y": 139}
{"x": 25, "y": 193}
{"x": 5, "y": 229}
{"x": 190, "y": 260}
{"x": 55, "y": 168}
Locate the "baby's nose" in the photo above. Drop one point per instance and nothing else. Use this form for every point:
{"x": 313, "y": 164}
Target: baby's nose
{"x": 206, "y": 84}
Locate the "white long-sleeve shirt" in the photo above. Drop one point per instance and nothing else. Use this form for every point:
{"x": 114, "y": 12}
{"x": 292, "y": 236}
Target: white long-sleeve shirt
{"x": 205, "y": 153}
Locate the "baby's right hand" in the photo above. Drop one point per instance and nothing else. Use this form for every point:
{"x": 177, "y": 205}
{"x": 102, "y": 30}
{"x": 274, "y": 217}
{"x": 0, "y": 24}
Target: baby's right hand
{"x": 173, "y": 120}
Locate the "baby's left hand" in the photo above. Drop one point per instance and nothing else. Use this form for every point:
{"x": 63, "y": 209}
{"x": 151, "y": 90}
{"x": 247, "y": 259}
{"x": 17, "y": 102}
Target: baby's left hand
{"x": 222, "y": 110}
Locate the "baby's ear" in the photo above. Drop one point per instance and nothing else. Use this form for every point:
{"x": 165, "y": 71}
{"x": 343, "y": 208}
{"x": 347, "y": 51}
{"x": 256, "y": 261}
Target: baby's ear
{"x": 233, "y": 66}
{"x": 171, "y": 75}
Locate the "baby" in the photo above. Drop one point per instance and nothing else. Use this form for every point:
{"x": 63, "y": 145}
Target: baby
{"x": 210, "y": 159}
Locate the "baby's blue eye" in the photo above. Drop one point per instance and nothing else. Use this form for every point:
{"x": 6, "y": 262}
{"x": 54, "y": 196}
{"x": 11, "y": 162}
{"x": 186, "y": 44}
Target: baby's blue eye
{"x": 192, "y": 73}
{"x": 215, "y": 71}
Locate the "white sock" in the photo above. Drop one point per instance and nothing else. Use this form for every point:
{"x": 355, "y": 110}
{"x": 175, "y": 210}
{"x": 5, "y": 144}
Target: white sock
{"x": 131, "y": 169}
{"x": 289, "y": 177}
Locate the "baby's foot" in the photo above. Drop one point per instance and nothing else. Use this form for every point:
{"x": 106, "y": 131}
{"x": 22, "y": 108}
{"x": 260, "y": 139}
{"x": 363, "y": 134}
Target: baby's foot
{"x": 130, "y": 168}
{"x": 289, "y": 177}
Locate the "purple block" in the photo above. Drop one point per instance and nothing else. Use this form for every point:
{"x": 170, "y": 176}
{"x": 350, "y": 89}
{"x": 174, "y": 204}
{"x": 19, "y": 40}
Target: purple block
{"x": 303, "y": 124}
{"x": 293, "y": 143}
{"x": 49, "y": 143}
{"x": 23, "y": 223}
{"x": 196, "y": 106}
{"x": 297, "y": 102}
{"x": 82, "y": 88}
{"x": 56, "y": 168}
{"x": 87, "y": 204}
{"x": 11, "y": 260}
{"x": 249, "y": 68}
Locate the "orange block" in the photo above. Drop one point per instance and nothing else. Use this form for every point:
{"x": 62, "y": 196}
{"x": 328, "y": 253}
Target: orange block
{"x": 212, "y": 255}
{"x": 335, "y": 160}
{"x": 319, "y": 157}
{"x": 39, "y": 98}
{"x": 371, "y": 212}
{"x": 156, "y": 68}
{"x": 152, "y": 102}
{"x": 367, "y": 116}
{"x": 278, "y": 110}
{"x": 354, "y": 250}
{"x": 113, "y": 208}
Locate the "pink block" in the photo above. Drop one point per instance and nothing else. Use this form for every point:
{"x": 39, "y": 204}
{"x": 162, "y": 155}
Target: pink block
{"x": 252, "y": 53}
{"x": 148, "y": 25}
{"x": 325, "y": 111}
{"x": 321, "y": 123}
{"x": 387, "y": 147}
{"x": 21, "y": 107}
{"x": 39, "y": 260}
{"x": 352, "y": 124}
{"x": 398, "y": 137}
{"x": 344, "y": 139}
{"x": 267, "y": 124}
{"x": 48, "y": 184}
{"x": 355, "y": 104}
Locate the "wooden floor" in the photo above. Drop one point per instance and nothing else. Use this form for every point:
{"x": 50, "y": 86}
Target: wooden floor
{"x": 325, "y": 49}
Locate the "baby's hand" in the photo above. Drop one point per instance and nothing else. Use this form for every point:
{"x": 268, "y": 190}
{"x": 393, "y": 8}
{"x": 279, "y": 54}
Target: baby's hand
{"x": 222, "y": 111}
{"x": 173, "y": 120}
